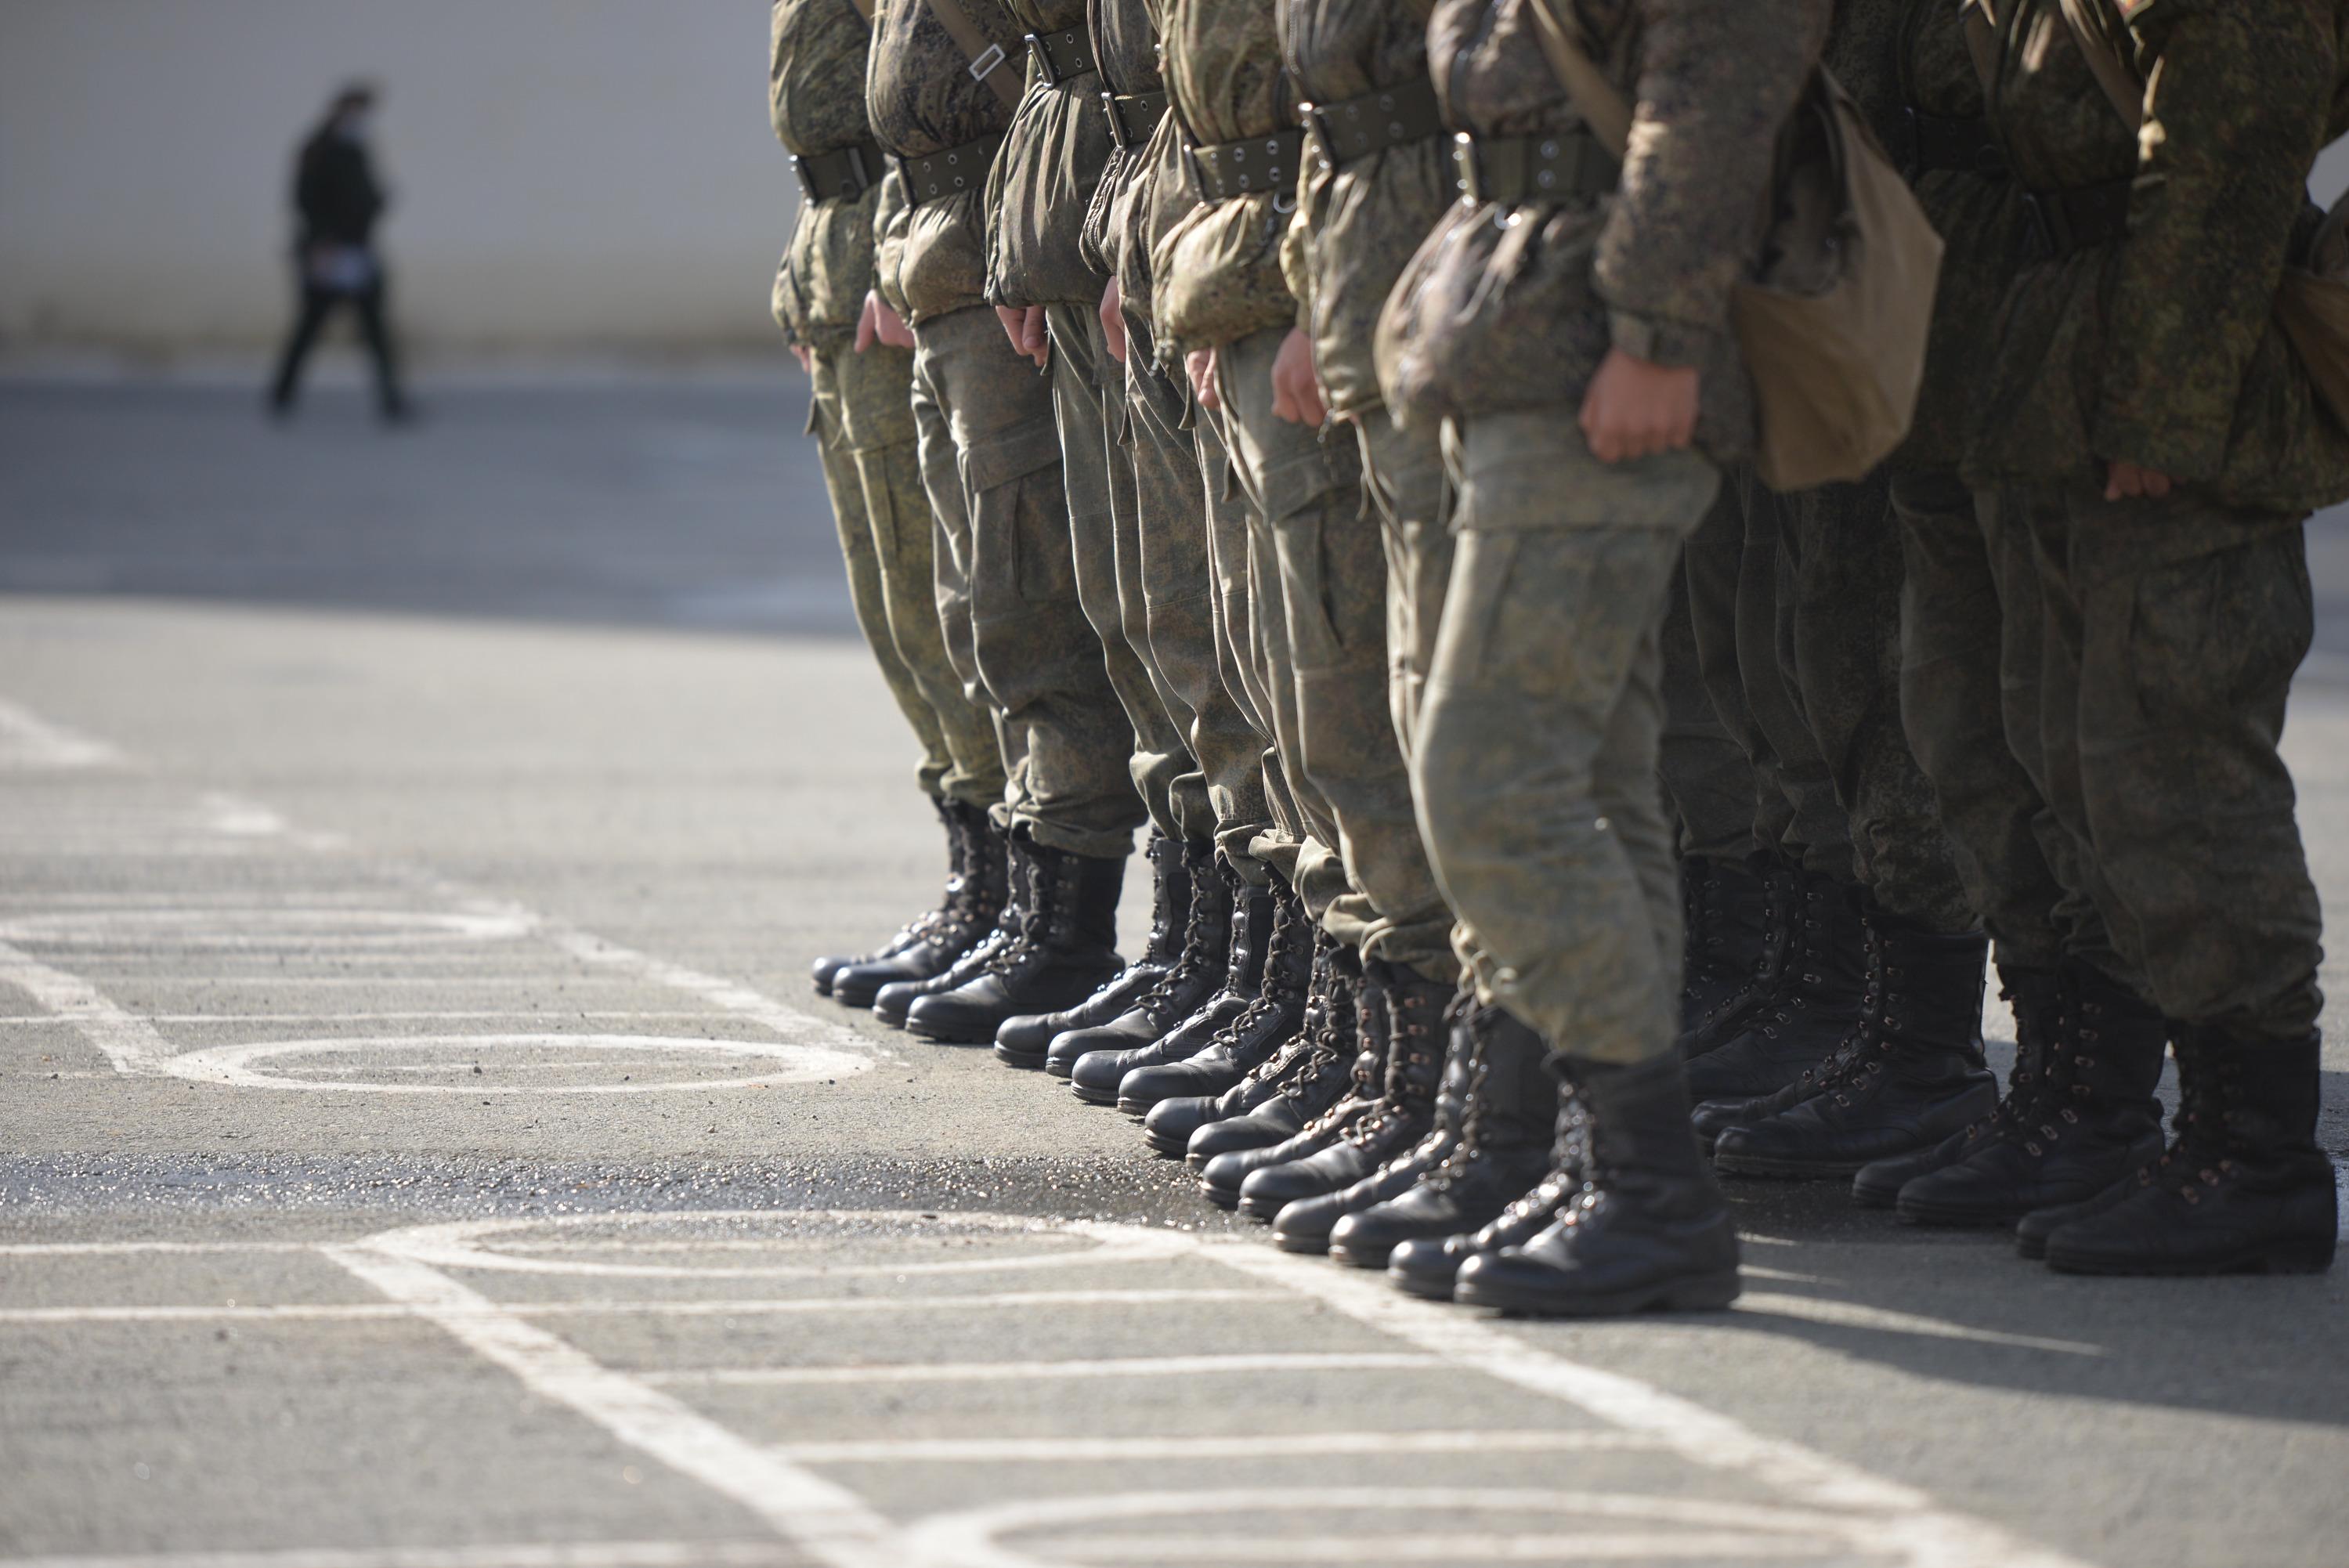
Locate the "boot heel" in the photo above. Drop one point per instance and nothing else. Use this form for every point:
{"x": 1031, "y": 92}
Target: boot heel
{"x": 2309, "y": 1257}
{"x": 1709, "y": 1293}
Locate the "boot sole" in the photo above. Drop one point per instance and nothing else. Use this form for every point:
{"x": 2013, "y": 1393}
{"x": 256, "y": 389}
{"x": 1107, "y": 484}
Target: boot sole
{"x": 1092, "y": 1096}
{"x": 1787, "y": 1170}
{"x": 1705, "y": 1292}
{"x": 1220, "y": 1198}
{"x": 1059, "y": 1069}
{"x": 1874, "y": 1197}
{"x": 1354, "y": 1260}
{"x": 1928, "y": 1217}
{"x": 1026, "y": 1061}
{"x": 949, "y": 1036}
{"x": 1262, "y": 1213}
{"x": 1161, "y": 1144}
{"x": 1421, "y": 1285}
{"x": 1313, "y": 1246}
{"x": 2277, "y": 1258}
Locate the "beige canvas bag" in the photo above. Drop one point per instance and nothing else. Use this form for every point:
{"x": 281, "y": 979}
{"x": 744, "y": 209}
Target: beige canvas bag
{"x": 1833, "y": 323}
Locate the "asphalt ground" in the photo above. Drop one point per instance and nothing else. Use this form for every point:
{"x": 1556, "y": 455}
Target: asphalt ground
{"x": 419, "y": 1148}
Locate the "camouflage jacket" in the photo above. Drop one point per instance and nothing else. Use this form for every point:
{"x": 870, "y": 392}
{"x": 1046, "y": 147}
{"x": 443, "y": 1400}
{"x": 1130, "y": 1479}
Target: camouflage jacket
{"x": 1505, "y": 308}
{"x": 2161, "y": 349}
{"x": 1046, "y": 178}
{"x": 1217, "y": 274}
{"x": 923, "y": 100}
{"x": 1126, "y": 43}
{"x": 815, "y": 94}
{"x": 1357, "y": 225}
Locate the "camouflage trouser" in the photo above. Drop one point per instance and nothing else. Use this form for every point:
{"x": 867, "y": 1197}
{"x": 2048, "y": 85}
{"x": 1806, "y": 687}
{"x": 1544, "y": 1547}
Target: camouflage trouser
{"x": 1333, "y": 722}
{"x": 2173, "y": 628}
{"x": 1536, "y": 764}
{"x": 1106, "y": 533}
{"x": 1971, "y": 624}
{"x": 991, "y": 463}
{"x": 862, "y": 417}
{"x": 1174, "y": 596}
{"x": 1839, "y": 612}
{"x": 1716, "y": 762}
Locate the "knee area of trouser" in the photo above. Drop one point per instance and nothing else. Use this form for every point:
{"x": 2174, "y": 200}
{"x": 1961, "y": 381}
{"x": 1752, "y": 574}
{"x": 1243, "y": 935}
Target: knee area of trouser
{"x": 2206, "y": 646}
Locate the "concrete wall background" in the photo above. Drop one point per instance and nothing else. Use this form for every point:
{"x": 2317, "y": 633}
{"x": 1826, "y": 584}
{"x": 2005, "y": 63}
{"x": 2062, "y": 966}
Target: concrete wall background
{"x": 567, "y": 174}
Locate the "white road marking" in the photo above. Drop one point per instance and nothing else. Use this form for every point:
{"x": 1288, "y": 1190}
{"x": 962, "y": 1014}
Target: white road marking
{"x": 531, "y": 1554}
{"x": 826, "y": 1520}
{"x": 128, "y": 1249}
{"x": 1034, "y": 1371}
{"x": 1909, "y": 1519}
{"x": 232, "y": 1064}
{"x": 1243, "y": 1446}
{"x": 123, "y": 1037}
{"x": 1448, "y": 1547}
{"x": 233, "y": 817}
{"x": 463, "y": 1245}
{"x": 752, "y": 1307}
{"x": 332, "y": 929}
{"x": 1852, "y": 1314}
{"x": 29, "y": 742}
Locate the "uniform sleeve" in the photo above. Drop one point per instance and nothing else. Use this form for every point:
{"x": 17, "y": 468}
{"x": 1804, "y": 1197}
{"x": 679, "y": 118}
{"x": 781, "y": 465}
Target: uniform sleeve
{"x": 891, "y": 218}
{"x": 2235, "y": 114}
{"x": 1716, "y": 81}
{"x": 1295, "y": 240}
{"x": 775, "y": 16}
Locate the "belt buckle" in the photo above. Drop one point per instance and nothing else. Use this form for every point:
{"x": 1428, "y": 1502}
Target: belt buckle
{"x": 807, "y": 180}
{"x": 1198, "y": 171}
{"x": 1316, "y": 126}
{"x": 1042, "y": 59}
{"x": 1463, "y": 164}
{"x": 1117, "y": 134}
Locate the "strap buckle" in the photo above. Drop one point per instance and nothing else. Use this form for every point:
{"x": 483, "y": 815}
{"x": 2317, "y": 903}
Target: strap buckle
{"x": 984, "y": 65}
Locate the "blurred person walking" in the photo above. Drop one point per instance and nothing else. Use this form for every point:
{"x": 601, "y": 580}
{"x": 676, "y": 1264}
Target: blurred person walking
{"x": 338, "y": 202}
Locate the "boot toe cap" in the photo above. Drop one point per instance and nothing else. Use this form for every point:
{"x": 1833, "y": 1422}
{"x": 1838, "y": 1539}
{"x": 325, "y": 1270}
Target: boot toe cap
{"x": 951, "y": 1017}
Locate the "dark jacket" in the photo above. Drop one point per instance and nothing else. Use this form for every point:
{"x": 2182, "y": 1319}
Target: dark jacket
{"x": 335, "y": 190}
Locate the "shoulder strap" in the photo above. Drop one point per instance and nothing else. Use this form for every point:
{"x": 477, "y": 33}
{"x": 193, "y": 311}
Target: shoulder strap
{"x": 988, "y": 63}
{"x": 1602, "y": 108}
{"x": 2100, "y": 39}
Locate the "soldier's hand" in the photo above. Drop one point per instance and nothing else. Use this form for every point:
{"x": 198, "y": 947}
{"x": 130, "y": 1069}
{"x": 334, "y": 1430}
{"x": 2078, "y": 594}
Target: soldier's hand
{"x": 1201, "y": 363}
{"x": 807, "y": 360}
{"x": 1112, "y": 320}
{"x": 1025, "y": 327}
{"x": 879, "y": 323}
{"x": 1295, "y": 391}
{"x": 2125, "y": 479}
{"x": 1636, "y": 409}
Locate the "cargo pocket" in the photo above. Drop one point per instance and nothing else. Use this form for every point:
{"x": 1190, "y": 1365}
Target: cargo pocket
{"x": 1020, "y": 517}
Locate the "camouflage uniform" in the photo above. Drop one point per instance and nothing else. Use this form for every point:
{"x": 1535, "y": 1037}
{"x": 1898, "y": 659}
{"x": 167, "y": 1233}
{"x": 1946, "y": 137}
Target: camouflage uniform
{"x": 2173, "y": 626}
{"x": 1537, "y": 767}
{"x": 990, "y": 451}
{"x": 1219, "y": 282}
{"x": 859, "y": 411}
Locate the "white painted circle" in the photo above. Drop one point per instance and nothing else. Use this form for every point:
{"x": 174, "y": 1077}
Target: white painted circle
{"x": 1733, "y": 1531}
{"x": 217, "y": 930}
{"x": 471, "y": 1243}
{"x": 247, "y": 1065}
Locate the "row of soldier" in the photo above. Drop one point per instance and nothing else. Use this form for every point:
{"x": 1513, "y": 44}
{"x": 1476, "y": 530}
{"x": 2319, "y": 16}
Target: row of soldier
{"x": 1286, "y": 424}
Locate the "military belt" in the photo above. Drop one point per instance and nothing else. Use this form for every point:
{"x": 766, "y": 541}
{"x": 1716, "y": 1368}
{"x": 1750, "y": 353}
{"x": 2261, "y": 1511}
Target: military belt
{"x": 938, "y": 175}
{"x": 1061, "y": 57}
{"x": 1357, "y": 127}
{"x": 2080, "y": 217}
{"x": 1936, "y": 141}
{"x": 1133, "y": 117}
{"x": 1555, "y": 166}
{"x": 839, "y": 176}
{"x": 1242, "y": 168}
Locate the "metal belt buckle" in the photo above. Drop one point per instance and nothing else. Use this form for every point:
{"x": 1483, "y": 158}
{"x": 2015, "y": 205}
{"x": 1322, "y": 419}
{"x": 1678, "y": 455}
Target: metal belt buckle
{"x": 1117, "y": 136}
{"x": 1042, "y": 59}
{"x": 1316, "y": 126}
{"x": 1463, "y": 164}
{"x": 807, "y": 180}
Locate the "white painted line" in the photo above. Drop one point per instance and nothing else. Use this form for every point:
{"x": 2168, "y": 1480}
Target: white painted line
{"x": 335, "y": 929}
{"x": 828, "y": 1521}
{"x": 1041, "y": 1371}
{"x": 1851, "y": 1315}
{"x": 29, "y": 742}
{"x": 124, "y": 1038}
{"x": 533, "y": 1554}
{"x": 1581, "y": 1546}
{"x": 440, "y": 1016}
{"x": 330, "y": 1311}
{"x": 729, "y": 995}
{"x": 467, "y": 1244}
{"x": 233, "y": 817}
{"x": 1253, "y": 1446}
{"x": 1909, "y": 1520}
{"x": 793, "y": 1063}
{"x": 134, "y": 1248}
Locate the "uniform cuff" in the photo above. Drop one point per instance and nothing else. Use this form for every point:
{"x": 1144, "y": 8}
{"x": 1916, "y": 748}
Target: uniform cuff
{"x": 1658, "y": 340}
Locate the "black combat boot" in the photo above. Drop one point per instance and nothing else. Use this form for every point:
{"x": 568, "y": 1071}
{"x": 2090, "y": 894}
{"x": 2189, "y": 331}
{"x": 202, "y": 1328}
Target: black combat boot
{"x": 922, "y": 926}
{"x": 2090, "y": 1119}
{"x": 1417, "y": 1031}
{"x": 1506, "y": 1136}
{"x": 1275, "y": 1018}
{"x": 1067, "y": 945}
{"x": 1737, "y": 915}
{"x": 1226, "y": 1153}
{"x": 1218, "y": 896}
{"x": 1648, "y": 1232}
{"x": 979, "y": 904}
{"x": 1304, "y": 1226}
{"x": 1286, "y": 1096}
{"x": 2037, "y": 998}
{"x": 1096, "y": 1075}
{"x": 1430, "y": 1267}
{"x": 2242, "y": 1188}
{"x": 1808, "y": 1012}
{"x": 1914, "y": 1078}
{"x": 1168, "y": 1125}
{"x": 1176, "y": 871}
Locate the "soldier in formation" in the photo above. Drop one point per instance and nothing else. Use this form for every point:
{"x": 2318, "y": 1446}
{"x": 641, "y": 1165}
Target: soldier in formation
{"x": 1317, "y": 429}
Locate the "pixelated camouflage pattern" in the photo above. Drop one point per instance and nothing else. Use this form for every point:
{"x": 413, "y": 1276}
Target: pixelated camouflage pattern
{"x": 1045, "y": 180}
{"x": 923, "y": 100}
{"x": 1356, "y": 227}
{"x": 815, "y": 96}
{"x": 821, "y": 284}
{"x": 1505, "y": 309}
{"x": 1218, "y": 273}
{"x": 2163, "y": 349}
{"x": 1125, "y": 47}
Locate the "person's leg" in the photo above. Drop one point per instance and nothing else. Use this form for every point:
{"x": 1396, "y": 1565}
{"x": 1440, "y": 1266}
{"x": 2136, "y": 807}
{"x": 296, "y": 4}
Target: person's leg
{"x": 2190, "y": 621}
{"x": 372, "y": 305}
{"x": 309, "y": 320}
